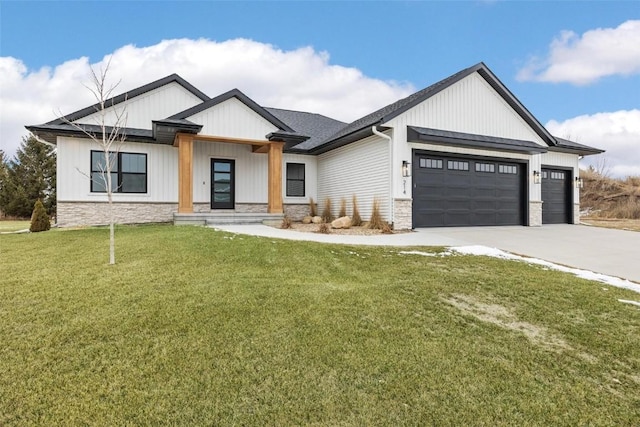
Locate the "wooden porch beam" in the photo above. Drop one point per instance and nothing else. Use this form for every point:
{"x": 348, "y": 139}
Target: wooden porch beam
{"x": 274, "y": 204}
{"x": 185, "y": 172}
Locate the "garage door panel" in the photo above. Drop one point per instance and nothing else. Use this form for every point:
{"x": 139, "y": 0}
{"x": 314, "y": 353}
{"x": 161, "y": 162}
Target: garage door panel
{"x": 477, "y": 195}
{"x": 556, "y": 196}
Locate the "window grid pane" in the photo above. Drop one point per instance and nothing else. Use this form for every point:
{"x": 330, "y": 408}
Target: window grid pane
{"x": 131, "y": 179}
{"x": 485, "y": 167}
{"x": 295, "y": 179}
{"x": 508, "y": 169}
{"x": 430, "y": 163}
{"x": 457, "y": 165}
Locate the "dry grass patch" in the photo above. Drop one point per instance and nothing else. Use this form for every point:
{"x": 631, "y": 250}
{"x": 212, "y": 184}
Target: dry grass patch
{"x": 618, "y": 224}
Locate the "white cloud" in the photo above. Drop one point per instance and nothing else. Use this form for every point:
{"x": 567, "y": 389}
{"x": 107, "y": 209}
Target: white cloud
{"x": 582, "y": 60}
{"x": 301, "y": 79}
{"x": 617, "y": 132}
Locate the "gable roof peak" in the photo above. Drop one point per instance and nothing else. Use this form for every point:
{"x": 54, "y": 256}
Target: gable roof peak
{"x": 233, "y": 93}
{"x": 172, "y": 78}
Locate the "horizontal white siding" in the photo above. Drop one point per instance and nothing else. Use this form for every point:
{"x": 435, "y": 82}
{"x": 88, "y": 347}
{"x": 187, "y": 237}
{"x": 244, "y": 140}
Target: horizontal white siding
{"x": 234, "y": 119}
{"x": 361, "y": 168}
{"x": 74, "y": 163}
{"x": 157, "y": 104}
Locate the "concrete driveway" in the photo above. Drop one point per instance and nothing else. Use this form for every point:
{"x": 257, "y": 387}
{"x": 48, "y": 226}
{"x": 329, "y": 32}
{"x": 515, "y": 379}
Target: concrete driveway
{"x": 601, "y": 250}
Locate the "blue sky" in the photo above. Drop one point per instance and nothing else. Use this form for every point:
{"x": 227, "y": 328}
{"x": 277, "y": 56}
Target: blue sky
{"x": 407, "y": 44}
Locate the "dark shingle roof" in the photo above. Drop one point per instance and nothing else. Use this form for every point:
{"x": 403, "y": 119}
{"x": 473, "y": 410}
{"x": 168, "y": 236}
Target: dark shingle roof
{"x": 132, "y": 94}
{"x": 316, "y": 126}
{"x": 393, "y": 110}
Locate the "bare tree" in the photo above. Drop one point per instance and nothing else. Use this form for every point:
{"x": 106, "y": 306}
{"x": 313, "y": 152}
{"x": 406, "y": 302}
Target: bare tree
{"x": 109, "y": 136}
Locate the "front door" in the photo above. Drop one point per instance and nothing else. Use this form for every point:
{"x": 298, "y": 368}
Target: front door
{"x": 222, "y": 184}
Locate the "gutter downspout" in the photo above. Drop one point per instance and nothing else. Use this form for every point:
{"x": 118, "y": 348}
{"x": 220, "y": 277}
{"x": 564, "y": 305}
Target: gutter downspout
{"x": 375, "y": 131}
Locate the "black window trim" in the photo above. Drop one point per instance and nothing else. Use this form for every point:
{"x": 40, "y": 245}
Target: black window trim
{"x": 119, "y": 173}
{"x": 303, "y": 180}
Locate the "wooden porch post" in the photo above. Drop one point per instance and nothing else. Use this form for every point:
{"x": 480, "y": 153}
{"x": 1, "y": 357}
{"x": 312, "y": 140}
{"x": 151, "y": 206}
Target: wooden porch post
{"x": 275, "y": 177}
{"x": 185, "y": 173}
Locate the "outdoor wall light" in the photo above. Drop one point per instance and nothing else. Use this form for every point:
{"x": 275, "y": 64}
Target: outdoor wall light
{"x": 536, "y": 177}
{"x": 579, "y": 182}
{"x": 406, "y": 169}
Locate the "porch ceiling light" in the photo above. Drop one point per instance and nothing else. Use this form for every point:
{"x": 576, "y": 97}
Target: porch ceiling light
{"x": 406, "y": 169}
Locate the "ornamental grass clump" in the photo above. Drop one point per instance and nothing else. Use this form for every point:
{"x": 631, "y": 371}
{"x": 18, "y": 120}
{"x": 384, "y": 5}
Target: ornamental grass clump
{"x": 343, "y": 208}
{"x": 324, "y": 228}
{"x": 327, "y": 216}
{"x": 356, "y": 219}
{"x": 286, "y": 223}
{"x": 39, "y": 219}
{"x": 376, "y": 222}
{"x": 313, "y": 209}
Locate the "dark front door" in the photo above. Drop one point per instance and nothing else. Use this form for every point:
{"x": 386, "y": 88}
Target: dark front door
{"x": 222, "y": 184}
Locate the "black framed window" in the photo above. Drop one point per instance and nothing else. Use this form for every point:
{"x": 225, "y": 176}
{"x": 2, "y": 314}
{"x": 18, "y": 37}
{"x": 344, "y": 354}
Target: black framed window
{"x": 557, "y": 175}
{"x": 430, "y": 163}
{"x": 510, "y": 169}
{"x": 485, "y": 167}
{"x": 457, "y": 165}
{"x": 295, "y": 179}
{"x": 128, "y": 172}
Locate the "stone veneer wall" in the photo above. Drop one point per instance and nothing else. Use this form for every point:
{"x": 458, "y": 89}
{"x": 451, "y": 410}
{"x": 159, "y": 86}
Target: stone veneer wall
{"x": 576, "y": 213}
{"x": 296, "y": 211}
{"x": 72, "y": 214}
{"x": 402, "y": 214}
{"x": 535, "y": 214}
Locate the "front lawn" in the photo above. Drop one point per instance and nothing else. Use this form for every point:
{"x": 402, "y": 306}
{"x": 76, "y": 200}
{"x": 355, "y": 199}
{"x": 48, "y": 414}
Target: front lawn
{"x": 198, "y": 327}
{"x": 14, "y": 225}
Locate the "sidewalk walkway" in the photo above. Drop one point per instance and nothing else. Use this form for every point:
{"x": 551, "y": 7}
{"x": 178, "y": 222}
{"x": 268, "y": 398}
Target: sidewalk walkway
{"x": 601, "y": 250}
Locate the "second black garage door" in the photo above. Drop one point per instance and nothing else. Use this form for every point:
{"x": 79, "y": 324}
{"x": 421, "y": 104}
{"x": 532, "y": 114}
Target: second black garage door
{"x": 452, "y": 192}
{"x": 556, "y": 196}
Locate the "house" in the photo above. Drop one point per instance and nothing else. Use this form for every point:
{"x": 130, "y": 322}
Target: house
{"x": 461, "y": 152}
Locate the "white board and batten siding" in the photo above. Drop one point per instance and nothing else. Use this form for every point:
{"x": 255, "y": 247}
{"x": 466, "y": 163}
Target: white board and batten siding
{"x": 361, "y": 168}
{"x": 232, "y": 118}
{"x": 156, "y": 104}
{"x": 310, "y": 177}
{"x": 469, "y": 106}
{"x": 251, "y": 172}
{"x": 74, "y": 164}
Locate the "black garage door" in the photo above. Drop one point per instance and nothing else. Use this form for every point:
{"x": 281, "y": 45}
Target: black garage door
{"x": 556, "y": 196}
{"x": 450, "y": 191}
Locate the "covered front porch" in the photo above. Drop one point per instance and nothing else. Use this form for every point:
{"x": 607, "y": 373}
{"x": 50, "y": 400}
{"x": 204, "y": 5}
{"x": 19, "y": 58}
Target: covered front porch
{"x": 219, "y": 183}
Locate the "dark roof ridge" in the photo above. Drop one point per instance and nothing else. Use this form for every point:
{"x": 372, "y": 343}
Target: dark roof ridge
{"x": 396, "y": 108}
{"x": 132, "y": 94}
{"x": 304, "y": 112}
{"x": 233, "y": 93}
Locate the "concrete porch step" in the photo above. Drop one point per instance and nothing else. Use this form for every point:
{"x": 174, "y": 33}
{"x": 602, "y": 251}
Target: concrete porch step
{"x": 219, "y": 218}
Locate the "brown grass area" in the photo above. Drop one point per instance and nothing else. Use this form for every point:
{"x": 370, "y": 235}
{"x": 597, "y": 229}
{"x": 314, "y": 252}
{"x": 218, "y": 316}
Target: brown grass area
{"x": 619, "y": 224}
{"x": 604, "y": 197}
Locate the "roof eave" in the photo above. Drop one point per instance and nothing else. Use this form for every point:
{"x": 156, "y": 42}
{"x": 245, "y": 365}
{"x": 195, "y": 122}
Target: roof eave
{"x": 586, "y": 151}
